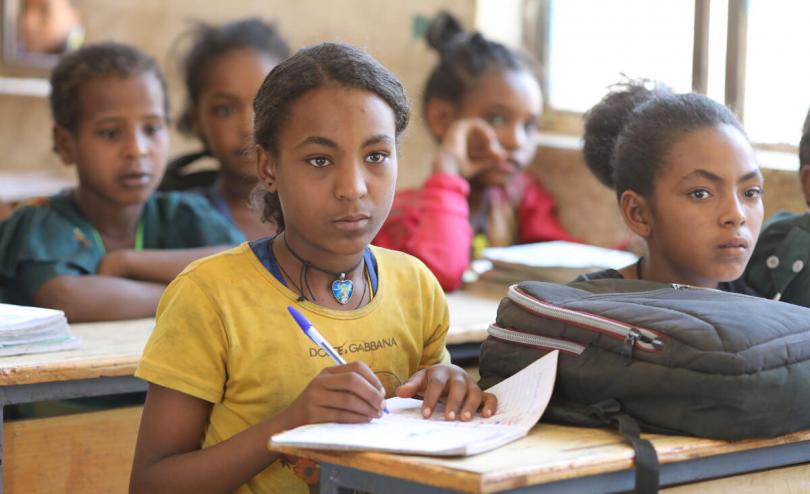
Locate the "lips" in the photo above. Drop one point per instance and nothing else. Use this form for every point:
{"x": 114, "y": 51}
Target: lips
{"x": 354, "y": 221}
{"x": 135, "y": 180}
{"x": 734, "y": 248}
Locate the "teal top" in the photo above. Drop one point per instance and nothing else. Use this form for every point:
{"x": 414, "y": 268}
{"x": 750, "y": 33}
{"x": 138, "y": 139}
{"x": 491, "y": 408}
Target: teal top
{"x": 51, "y": 237}
{"x": 779, "y": 266}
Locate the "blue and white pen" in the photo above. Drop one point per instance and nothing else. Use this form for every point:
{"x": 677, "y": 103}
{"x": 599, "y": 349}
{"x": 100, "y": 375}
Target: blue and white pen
{"x": 319, "y": 340}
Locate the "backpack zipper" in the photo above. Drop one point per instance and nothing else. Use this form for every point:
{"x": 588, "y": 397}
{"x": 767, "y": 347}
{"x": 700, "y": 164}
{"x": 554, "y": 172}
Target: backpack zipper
{"x": 534, "y": 340}
{"x": 633, "y": 337}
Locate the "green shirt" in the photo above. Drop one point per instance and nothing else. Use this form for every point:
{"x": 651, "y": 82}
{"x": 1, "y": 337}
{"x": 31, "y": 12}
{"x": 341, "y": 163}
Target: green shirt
{"x": 779, "y": 266}
{"x": 53, "y": 238}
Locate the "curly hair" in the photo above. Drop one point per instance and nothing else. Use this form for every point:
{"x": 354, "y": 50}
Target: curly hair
{"x": 92, "y": 62}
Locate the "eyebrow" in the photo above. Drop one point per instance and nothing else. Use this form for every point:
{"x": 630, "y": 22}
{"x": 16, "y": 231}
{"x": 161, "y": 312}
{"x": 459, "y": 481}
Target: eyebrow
{"x": 716, "y": 178}
{"x": 378, "y": 139}
{"x": 221, "y": 94}
{"x": 323, "y": 141}
{"x": 109, "y": 120}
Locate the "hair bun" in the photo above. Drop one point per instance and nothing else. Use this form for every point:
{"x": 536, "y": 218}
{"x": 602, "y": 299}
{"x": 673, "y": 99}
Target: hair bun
{"x": 605, "y": 121}
{"x": 444, "y": 29}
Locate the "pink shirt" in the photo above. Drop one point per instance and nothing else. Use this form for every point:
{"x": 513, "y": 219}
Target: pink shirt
{"x": 432, "y": 223}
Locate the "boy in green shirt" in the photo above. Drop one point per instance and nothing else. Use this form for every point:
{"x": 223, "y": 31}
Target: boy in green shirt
{"x": 107, "y": 249}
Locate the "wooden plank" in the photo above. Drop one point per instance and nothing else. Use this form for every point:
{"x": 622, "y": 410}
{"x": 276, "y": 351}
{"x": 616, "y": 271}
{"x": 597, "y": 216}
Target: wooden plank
{"x": 86, "y": 452}
{"x": 549, "y": 453}
{"x": 789, "y": 480}
{"x": 108, "y": 349}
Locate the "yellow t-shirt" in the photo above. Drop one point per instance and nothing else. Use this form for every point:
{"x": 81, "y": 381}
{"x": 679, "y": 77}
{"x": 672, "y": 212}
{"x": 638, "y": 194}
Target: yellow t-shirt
{"x": 224, "y": 335}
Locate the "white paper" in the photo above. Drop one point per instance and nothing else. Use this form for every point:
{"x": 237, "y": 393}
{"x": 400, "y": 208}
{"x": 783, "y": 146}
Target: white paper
{"x": 26, "y": 329}
{"x": 522, "y": 399}
{"x": 560, "y": 254}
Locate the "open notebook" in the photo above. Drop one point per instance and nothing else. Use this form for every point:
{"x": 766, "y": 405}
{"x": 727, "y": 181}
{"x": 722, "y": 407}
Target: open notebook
{"x": 522, "y": 399}
{"x": 33, "y": 330}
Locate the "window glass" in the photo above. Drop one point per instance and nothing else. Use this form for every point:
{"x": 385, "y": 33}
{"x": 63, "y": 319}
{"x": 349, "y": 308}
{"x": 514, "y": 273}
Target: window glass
{"x": 594, "y": 42}
{"x": 777, "y": 79}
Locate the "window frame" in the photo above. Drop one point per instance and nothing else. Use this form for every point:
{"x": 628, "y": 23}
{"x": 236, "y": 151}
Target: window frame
{"x": 536, "y": 32}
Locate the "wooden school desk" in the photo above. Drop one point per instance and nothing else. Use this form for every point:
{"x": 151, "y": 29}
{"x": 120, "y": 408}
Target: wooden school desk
{"x": 558, "y": 459}
{"x": 103, "y": 365}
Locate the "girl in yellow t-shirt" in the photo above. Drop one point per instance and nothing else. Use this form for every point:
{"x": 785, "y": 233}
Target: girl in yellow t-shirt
{"x": 227, "y": 365}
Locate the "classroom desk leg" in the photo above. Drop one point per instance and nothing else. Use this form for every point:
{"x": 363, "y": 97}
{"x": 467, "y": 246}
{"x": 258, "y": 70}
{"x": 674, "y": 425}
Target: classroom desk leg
{"x": 82, "y": 388}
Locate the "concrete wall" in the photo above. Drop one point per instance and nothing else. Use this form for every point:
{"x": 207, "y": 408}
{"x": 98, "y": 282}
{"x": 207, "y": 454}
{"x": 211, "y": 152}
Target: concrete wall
{"x": 385, "y": 28}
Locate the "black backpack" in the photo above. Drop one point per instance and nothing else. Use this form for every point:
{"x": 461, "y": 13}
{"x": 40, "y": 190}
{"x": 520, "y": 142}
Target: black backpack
{"x": 661, "y": 358}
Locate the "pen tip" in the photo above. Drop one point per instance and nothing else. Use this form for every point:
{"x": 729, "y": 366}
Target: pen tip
{"x": 299, "y": 318}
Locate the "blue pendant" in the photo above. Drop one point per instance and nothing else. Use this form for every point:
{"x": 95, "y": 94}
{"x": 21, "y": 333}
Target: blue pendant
{"x": 342, "y": 290}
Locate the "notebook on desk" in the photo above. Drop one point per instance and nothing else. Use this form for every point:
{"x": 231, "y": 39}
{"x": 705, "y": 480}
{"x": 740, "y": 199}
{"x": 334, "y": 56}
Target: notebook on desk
{"x": 522, "y": 399}
{"x": 558, "y": 262}
{"x": 33, "y": 330}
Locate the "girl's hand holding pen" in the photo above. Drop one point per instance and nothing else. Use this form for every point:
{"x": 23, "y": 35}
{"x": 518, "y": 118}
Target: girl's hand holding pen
{"x": 464, "y": 397}
{"x": 348, "y": 393}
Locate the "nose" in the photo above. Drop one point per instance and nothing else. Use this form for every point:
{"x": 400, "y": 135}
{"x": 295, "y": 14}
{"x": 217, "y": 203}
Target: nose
{"x": 350, "y": 181}
{"x": 136, "y": 144}
{"x": 733, "y": 213}
{"x": 246, "y": 124}
{"x": 513, "y": 136}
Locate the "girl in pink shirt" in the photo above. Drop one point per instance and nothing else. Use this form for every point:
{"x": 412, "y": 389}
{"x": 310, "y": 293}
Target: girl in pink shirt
{"x": 482, "y": 103}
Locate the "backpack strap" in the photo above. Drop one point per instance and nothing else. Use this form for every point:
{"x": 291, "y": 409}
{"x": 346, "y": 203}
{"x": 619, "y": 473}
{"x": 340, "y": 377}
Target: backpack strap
{"x": 647, "y": 468}
{"x": 609, "y": 413}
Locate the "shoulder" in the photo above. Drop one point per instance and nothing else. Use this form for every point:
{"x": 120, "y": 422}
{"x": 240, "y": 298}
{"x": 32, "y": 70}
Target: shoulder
{"x": 606, "y": 274}
{"x": 399, "y": 266}
{"x": 49, "y": 217}
{"x": 211, "y": 267}
{"x": 188, "y": 220}
{"x": 779, "y": 230}
{"x": 785, "y": 220}
{"x": 179, "y": 202}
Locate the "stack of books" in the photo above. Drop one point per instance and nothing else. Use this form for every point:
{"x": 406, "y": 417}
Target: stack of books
{"x": 557, "y": 262}
{"x": 33, "y": 330}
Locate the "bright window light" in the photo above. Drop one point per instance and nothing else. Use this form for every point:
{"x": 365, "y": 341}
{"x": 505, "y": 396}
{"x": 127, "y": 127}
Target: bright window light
{"x": 777, "y": 83}
{"x": 594, "y": 42}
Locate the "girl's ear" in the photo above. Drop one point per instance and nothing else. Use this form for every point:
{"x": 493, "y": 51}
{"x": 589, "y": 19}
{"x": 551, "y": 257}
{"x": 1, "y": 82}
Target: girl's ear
{"x": 804, "y": 175}
{"x": 637, "y": 213}
{"x": 439, "y": 114}
{"x": 64, "y": 144}
{"x": 266, "y": 167}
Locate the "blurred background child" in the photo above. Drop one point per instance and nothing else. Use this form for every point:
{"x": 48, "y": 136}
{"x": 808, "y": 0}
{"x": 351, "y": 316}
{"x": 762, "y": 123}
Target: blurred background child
{"x": 223, "y": 69}
{"x": 482, "y": 103}
{"x": 779, "y": 267}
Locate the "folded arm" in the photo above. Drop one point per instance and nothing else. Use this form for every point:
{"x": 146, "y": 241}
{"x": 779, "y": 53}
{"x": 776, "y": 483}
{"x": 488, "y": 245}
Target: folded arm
{"x": 154, "y": 265}
{"x": 99, "y": 298}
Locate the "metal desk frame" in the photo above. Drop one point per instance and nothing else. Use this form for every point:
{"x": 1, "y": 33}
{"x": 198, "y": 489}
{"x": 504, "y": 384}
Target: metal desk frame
{"x": 337, "y": 479}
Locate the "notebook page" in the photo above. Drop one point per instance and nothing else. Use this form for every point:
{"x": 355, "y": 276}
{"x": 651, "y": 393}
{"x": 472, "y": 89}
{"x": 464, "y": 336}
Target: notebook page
{"x": 522, "y": 400}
